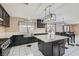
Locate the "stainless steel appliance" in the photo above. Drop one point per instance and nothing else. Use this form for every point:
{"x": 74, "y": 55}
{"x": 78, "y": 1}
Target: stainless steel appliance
{"x": 4, "y": 47}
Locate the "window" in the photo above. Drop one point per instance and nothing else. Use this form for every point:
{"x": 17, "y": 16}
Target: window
{"x": 66, "y": 28}
{"x": 26, "y": 27}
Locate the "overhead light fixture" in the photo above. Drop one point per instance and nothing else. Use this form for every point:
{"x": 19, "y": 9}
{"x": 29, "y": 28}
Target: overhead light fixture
{"x": 51, "y": 18}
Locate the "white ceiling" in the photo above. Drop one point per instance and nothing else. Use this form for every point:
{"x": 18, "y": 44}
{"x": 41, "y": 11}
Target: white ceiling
{"x": 24, "y": 11}
{"x": 68, "y": 11}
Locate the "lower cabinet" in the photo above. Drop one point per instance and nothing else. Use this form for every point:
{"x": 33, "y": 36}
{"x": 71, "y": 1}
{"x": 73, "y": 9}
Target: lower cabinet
{"x": 0, "y": 52}
{"x": 20, "y": 40}
{"x": 55, "y": 50}
{"x": 61, "y": 49}
{"x": 47, "y": 49}
{"x": 52, "y": 48}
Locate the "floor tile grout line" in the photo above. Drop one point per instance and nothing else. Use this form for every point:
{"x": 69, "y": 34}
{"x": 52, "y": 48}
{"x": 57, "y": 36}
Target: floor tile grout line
{"x": 13, "y": 51}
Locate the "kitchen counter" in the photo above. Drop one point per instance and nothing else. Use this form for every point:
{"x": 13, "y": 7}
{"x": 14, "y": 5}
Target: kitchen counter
{"x": 9, "y": 34}
{"x": 54, "y": 46}
{"x": 46, "y": 38}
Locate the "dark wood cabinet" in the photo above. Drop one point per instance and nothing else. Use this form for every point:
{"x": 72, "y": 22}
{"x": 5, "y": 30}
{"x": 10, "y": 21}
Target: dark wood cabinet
{"x": 55, "y": 48}
{"x": 61, "y": 48}
{"x": 5, "y": 16}
{"x": 0, "y": 52}
{"x": 20, "y": 40}
{"x": 0, "y": 12}
{"x": 52, "y": 48}
{"x": 0, "y": 15}
{"x": 47, "y": 49}
{"x": 40, "y": 24}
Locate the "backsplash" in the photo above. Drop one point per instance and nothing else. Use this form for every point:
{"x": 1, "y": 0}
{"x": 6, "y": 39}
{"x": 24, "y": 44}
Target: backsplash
{"x": 2, "y": 29}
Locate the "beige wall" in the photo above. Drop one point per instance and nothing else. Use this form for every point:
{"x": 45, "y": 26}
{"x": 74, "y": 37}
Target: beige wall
{"x": 2, "y": 29}
{"x": 74, "y": 28}
{"x": 59, "y": 28}
{"x": 14, "y": 24}
{"x": 14, "y": 27}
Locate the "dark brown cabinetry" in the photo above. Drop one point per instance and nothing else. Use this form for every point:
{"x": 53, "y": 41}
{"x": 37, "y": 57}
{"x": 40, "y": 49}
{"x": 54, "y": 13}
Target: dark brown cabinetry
{"x": 52, "y": 48}
{"x": 0, "y": 15}
{"x": 0, "y": 12}
{"x": 5, "y": 16}
{"x": 58, "y": 48}
{"x": 40, "y": 24}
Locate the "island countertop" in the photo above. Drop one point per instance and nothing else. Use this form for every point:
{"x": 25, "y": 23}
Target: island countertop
{"x": 46, "y": 38}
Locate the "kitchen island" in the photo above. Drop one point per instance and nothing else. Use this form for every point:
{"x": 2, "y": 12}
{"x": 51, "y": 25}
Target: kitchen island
{"x": 54, "y": 46}
{"x": 49, "y": 46}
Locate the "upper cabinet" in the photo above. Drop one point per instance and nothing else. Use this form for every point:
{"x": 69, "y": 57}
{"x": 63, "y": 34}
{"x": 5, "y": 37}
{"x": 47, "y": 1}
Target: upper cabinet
{"x": 0, "y": 15}
{"x": 0, "y": 12}
{"x": 40, "y": 24}
{"x": 5, "y": 16}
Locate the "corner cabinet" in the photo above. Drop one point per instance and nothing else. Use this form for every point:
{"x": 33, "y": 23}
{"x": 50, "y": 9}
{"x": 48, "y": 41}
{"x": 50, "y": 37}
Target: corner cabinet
{"x": 5, "y": 16}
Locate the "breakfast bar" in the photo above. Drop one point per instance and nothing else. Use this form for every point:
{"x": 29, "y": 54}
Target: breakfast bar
{"x": 54, "y": 46}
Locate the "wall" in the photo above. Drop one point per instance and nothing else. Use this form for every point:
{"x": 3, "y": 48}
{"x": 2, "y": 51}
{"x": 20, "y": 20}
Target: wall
{"x": 74, "y": 28}
{"x": 2, "y": 29}
{"x": 14, "y": 24}
{"x": 14, "y": 27}
{"x": 59, "y": 28}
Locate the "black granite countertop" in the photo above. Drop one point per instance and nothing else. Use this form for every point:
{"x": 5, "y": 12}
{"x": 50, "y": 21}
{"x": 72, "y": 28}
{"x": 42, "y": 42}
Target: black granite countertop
{"x": 3, "y": 40}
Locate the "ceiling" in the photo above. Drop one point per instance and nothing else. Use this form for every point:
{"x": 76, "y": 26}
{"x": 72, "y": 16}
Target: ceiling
{"x": 68, "y": 11}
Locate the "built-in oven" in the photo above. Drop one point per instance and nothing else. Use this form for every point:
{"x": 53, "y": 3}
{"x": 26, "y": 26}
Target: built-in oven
{"x": 5, "y": 49}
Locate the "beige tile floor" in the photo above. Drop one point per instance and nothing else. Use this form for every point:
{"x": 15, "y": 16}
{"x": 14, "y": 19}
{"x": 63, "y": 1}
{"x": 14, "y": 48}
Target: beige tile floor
{"x": 23, "y": 50}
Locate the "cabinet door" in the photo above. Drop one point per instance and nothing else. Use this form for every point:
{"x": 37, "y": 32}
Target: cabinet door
{"x": 47, "y": 49}
{"x": 0, "y": 14}
{"x": 3, "y": 17}
{"x": 55, "y": 50}
{"x": 0, "y": 52}
{"x": 7, "y": 20}
{"x": 0, "y": 11}
{"x": 61, "y": 49}
{"x": 40, "y": 46}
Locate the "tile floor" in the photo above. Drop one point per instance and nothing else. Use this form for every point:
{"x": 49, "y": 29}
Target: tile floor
{"x": 23, "y": 50}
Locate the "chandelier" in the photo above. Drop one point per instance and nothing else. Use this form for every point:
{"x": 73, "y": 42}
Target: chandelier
{"x": 51, "y": 17}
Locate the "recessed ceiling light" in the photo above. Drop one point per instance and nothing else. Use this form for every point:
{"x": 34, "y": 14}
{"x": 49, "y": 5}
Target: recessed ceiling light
{"x": 26, "y": 3}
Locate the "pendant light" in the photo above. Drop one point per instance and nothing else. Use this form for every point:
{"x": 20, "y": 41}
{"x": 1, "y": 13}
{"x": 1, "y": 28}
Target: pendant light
{"x": 49, "y": 16}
